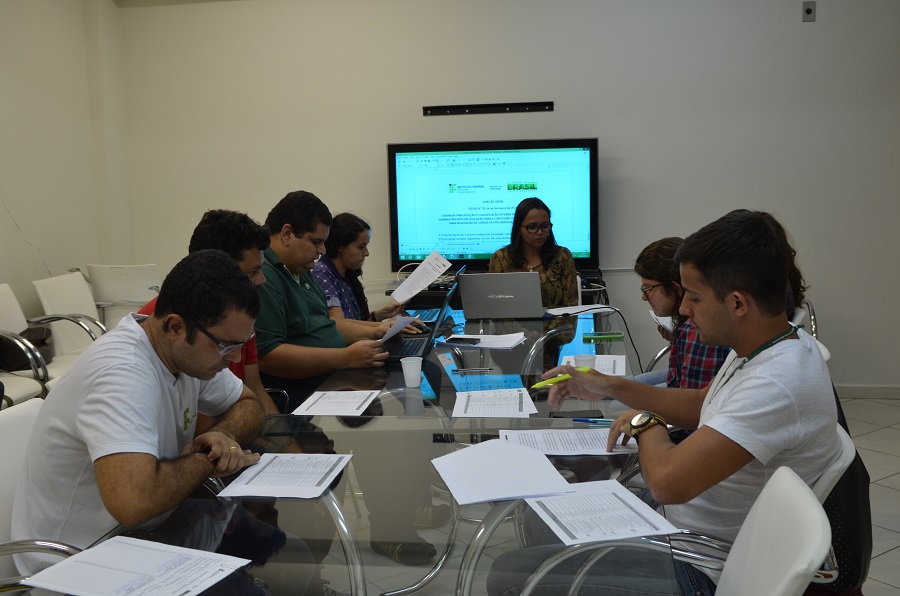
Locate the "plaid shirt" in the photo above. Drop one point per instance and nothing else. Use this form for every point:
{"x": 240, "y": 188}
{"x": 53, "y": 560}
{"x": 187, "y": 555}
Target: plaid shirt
{"x": 691, "y": 364}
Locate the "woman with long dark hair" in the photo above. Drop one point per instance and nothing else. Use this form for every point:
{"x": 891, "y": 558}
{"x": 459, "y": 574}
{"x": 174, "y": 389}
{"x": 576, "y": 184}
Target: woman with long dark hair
{"x": 338, "y": 272}
{"x": 532, "y": 247}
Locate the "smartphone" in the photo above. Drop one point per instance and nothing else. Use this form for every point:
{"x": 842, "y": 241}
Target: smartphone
{"x": 469, "y": 341}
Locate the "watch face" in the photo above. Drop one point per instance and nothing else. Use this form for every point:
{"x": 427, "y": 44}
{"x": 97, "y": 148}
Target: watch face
{"x": 640, "y": 420}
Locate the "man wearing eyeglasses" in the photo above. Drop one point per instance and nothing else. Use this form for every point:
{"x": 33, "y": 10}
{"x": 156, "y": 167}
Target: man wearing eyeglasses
{"x": 114, "y": 442}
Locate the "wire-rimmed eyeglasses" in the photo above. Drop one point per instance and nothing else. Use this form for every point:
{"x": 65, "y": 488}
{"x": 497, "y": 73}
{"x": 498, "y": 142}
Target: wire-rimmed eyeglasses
{"x": 645, "y": 290}
{"x": 224, "y": 349}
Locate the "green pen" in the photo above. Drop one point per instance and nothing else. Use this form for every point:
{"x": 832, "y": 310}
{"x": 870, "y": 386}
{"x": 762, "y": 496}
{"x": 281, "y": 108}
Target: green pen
{"x": 557, "y": 379}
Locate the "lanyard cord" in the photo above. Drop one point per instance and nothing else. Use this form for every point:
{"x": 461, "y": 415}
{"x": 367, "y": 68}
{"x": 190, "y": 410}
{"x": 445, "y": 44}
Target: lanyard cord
{"x": 756, "y": 353}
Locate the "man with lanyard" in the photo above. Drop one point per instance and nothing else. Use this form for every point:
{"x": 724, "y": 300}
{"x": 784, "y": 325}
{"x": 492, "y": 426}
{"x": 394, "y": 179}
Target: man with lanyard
{"x": 770, "y": 405}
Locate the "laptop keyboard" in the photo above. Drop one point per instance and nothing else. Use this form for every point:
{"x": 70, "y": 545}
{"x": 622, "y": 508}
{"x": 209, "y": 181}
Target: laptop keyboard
{"x": 411, "y": 346}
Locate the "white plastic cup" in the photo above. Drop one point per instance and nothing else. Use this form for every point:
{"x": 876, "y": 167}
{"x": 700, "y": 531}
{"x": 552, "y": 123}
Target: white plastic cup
{"x": 582, "y": 360}
{"x": 412, "y": 370}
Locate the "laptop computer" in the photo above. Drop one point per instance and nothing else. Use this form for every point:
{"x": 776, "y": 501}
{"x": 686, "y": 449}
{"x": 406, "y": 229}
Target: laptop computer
{"x": 501, "y": 295}
{"x": 419, "y": 345}
{"x": 429, "y": 315}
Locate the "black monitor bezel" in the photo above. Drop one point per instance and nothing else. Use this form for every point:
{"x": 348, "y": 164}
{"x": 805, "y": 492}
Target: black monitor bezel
{"x": 590, "y": 263}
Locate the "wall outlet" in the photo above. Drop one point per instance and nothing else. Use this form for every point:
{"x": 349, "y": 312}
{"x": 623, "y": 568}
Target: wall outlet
{"x": 809, "y": 12}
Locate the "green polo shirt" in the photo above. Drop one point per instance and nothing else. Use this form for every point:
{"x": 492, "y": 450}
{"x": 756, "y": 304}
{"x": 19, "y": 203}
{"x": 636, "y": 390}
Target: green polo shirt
{"x": 292, "y": 311}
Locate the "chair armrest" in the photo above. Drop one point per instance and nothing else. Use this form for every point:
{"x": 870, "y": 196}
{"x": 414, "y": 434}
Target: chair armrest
{"x": 273, "y": 391}
{"x": 31, "y": 546}
{"x": 80, "y": 320}
{"x": 32, "y": 354}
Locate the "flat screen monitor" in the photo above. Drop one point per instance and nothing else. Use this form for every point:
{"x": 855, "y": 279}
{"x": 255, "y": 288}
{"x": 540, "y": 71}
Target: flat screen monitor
{"x": 459, "y": 197}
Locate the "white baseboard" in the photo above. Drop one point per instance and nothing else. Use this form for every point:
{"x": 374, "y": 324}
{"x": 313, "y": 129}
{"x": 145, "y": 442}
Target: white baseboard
{"x": 868, "y": 391}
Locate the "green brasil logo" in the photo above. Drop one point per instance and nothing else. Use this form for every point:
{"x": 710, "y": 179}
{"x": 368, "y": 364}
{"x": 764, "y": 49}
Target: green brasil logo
{"x": 514, "y": 186}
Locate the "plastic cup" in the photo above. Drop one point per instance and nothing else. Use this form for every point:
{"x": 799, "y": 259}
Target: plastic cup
{"x": 582, "y": 360}
{"x": 412, "y": 370}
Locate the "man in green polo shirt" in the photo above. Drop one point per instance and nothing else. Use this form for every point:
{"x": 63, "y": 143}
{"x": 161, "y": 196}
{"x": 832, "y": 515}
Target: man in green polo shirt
{"x": 298, "y": 342}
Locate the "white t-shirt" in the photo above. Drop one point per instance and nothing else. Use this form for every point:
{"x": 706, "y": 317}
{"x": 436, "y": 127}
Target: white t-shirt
{"x": 779, "y": 406}
{"x": 117, "y": 398}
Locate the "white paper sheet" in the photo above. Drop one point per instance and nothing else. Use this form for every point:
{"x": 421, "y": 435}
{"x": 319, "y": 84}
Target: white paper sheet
{"x": 492, "y": 342}
{"x": 135, "y": 567}
{"x": 578, "y": 310}
{"x": 336, "y": 403}
{"x": 399, "y": 325}
{"x": 568, "y": 441}
{"x": 494, "y": 403}
{"x": 497, "y": 471}
{"x": 603, "y": 510}
{"x": 424, "y": 274}
{"x": 663, "y": 321}
{"x": 297, "y": 475}
{"x": 608, "y": 364}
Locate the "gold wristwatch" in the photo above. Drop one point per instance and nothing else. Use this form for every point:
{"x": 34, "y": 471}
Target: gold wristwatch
{"x": 643, "y": 421}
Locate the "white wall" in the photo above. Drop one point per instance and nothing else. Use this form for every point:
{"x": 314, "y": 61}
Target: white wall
{"x": 700, "y": 107}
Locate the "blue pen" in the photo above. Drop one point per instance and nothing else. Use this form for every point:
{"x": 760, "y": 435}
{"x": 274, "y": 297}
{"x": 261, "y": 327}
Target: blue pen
{"x": 594, "y": 420}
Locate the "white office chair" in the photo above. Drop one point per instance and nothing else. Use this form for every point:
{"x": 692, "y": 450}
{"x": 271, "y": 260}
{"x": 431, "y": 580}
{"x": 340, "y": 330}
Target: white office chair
{"x": 777, "y": 551}
{"x": 120, "y": 289}
{"x": 12, "y": 322}
{"x": 15, "y": 428}
{"x": 69, "y": 296}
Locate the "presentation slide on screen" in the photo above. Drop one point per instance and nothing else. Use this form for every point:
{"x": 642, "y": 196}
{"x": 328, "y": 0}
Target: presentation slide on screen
{"x": 465, "y": 210}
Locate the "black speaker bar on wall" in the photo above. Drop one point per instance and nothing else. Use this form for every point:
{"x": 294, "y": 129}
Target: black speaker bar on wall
{"x": 488, "y": 108}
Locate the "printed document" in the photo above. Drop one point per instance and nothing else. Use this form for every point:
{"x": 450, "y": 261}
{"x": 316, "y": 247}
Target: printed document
{"x": 422, "y": 276}
{"x": 399, "y": 325}
{"x": 123, "y": 565}
{"x": 494, "y": 403}
{"x": 665, "y": 322}
{"x": 336, "y": 403}
{"x": 498, "y": 471}
{"x": 608, "y": 364}
{"x": 492, "y": 342}
{"x": 297, "y": 475}
{"x": 568, "y": 441}
{"x": 603, "y": 510}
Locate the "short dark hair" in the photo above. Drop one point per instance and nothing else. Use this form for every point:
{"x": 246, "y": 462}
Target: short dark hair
{"x": 345, "y": 229}
{"x": 515, "y": 249}
{"x": 229, "y": 231}
{"x": 747, "y": 251}
{"x": 657, "y": 262}
{"x": 302, "y": 209}
{"x": 205, "y": 286}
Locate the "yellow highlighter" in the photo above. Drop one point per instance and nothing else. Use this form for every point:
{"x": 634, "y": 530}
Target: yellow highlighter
{"x": 557, "y": 379}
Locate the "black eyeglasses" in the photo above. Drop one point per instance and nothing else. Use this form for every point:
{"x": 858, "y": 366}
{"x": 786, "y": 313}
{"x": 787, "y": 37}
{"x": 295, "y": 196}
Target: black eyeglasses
{"x": 224, "y": 349}
{"x": 532, "y": 228}
{"x": 645, "y": 290}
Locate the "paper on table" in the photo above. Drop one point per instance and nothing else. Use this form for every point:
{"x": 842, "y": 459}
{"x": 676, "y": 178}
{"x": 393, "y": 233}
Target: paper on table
{"x": 399, "y": 324}
{"x": 297, "y": 475}
{"x": 497, "y": 471}
{"x": 336, "y": 403}
{"x": 602, "y": 510}
{"x": 578, "y": 310}
{"x": 492, "y": 342}
{"x": 608, "y": 364}
{"x": 662, "y": 321}
{"x": 494, "y": 403}
{"x": 568, "y": 441}
{"x": 135, "y": 567}
{"x": 424, "y": 274}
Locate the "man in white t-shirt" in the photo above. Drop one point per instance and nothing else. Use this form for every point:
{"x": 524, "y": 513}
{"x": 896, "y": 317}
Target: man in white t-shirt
{"x": 770, "y": 405}
{"x": 114, "y": 442}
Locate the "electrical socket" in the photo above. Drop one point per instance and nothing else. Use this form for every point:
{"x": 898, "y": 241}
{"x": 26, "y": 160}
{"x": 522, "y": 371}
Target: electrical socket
{"x": 809, "y": 11}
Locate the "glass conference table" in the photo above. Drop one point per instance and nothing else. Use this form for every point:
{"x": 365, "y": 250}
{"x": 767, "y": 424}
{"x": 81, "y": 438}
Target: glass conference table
{"x": 390, "y": 474}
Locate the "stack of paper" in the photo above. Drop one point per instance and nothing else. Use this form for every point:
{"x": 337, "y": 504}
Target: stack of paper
{"x": 494, "y": 403}
{"x": 124, "y": 565}
{"x": 336, "y": 403}
{"x": 498, "y": 471}
{"x": 603, "y": 510}
{"x": 608, "y": 364}
{"x": 298, "y": 475}
{"x": 491, "y": 342}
